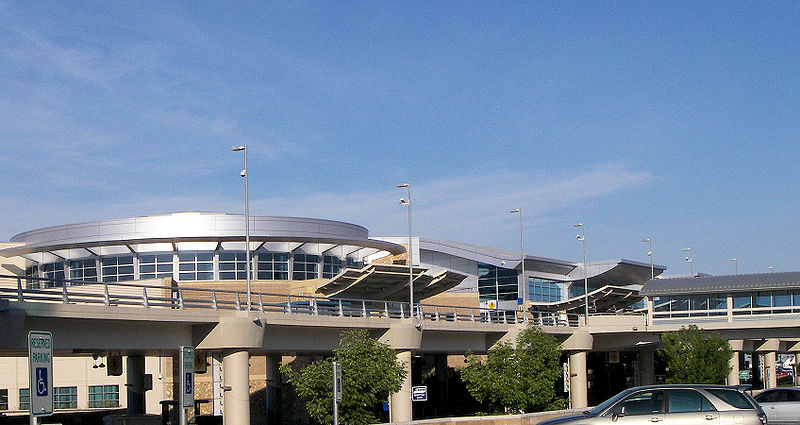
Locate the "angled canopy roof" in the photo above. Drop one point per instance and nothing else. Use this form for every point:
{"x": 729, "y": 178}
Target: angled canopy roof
{"x": 717, "y": 284}
{"x": 388, "y": 282}
{"x": 607, "y": 298}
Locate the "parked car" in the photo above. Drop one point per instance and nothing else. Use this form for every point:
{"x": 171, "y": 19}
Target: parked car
{"x": 782, "y": 405}
{"x": 673, "y": 404}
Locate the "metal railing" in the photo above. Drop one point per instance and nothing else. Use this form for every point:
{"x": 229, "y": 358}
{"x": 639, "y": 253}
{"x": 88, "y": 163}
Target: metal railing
{"x": 31, "y": 289}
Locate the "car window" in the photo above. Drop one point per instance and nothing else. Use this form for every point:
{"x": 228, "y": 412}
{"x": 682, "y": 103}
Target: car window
{"x": 792, "y": 395}
{"x": 771, "y": 396}
{"x": 641, "y": 403}
{"x": 732, "y": 397}
{"x": 684, "y": 400}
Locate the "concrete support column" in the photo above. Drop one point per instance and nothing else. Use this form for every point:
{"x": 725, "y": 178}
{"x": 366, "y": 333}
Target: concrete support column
{"x": 769, "y": 367}
{"x": 273, "y": 390}
{"x": 578, "y": 383}
{"x": 647, "y": 369}
{"x": 733, "y": 375}
{"x": 135, "y": 385}
{"x": 236, "y": 376}
{"x": 400, "y": 402}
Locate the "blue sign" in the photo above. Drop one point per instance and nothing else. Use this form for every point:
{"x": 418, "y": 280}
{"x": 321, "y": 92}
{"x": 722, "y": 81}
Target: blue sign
{"x": 189, "y": 387}
{"x": 419, "y": 393}
{"x": 41, "y": 382}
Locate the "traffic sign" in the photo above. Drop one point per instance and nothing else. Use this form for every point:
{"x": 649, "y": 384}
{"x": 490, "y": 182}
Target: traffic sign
{"x": 40, "y": 361}
{"x": 744, "y": 374}
{"x": 419, "y": 393}
{"x": 187, "y": 377}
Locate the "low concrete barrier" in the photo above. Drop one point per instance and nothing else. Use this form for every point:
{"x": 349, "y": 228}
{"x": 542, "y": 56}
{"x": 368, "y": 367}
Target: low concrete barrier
{"x": 526, "y": 419}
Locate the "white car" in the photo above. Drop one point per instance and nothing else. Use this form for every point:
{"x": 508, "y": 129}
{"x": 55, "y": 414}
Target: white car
{"x": 782, "y": 405}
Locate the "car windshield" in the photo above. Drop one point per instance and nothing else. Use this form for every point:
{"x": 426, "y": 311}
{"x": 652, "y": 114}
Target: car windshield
{"x": 732, "y": 397}
{"x": 606, "y": 404}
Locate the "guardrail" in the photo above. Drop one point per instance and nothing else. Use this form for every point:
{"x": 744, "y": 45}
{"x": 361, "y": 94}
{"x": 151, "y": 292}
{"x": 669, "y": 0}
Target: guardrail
{"x": 30, "y": 289}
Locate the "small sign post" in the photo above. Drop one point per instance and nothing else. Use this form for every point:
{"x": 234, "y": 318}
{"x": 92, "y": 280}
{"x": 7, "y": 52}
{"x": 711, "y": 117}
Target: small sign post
{"x": 40, "y": 361}
{"x": 744, "y": 374}
{"x": 186, "y": 399}
{"x": 337, "y": 390}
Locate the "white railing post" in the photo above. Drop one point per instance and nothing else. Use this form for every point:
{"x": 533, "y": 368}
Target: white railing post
{"x": 363, "y": 308}
{"x": 289, "y": 304}
{"x": 145, "y": 301}
{"x": 316, "y": 309}
{"x": 260, "y": 303}
{"x": 341, "y": 309}
{"x": 213, "y": 299}
{"x": 386, "y": 308}
{"x": 455, "y": 314}
{"x": 106, "y": 298}
{"x": 20, "y": 296}
{"x": 180, "y": 299}
{"x": 436, "y": 312}
{"x": 238, "y": 303}
{"x": 402, "y": 312}
{"x": 472, "y": 313}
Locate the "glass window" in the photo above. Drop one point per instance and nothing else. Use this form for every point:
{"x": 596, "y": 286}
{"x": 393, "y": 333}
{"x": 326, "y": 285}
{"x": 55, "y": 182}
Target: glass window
{"x": 3, "y": 399}
{"x": 103, "y": 396}
{"x": 117, "y": 268}
{"x": 305, "y": 266}
{"x": 152, "y": 266}
{"x": 331, "y": 266}
{"x": 661, "y": 304}
{"x": 763, "y": 299}
{"x": 196, "y": 266}
{"x": 680, "y": 304}
{"x": 718, "y": 302}
{"x": 352, "y": 263}
{"x": 24, "y": 399}
{"x": 732, "y": 397}
{"x": 273, "y": 266}
{"x": 642, "y": 403}
{"x": 54, "y": 273}
{"x": 233, "y": 265}
{"x": 544, "y": 290}
{"x": 65, "y": 398}
{"x": 83, "y": 271}
{"x": 699, "y": 302}
{"x": 681, "y": 401}
{"x": 796, "y": 298}
{"x": 781, "y": 299}
{"x": 743, "y": 300}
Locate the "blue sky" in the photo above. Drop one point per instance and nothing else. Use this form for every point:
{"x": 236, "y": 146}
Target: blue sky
{"x": 677, "y": 121}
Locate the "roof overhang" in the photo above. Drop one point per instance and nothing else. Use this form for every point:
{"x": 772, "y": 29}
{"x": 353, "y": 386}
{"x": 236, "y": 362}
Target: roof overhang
{"x": 607, "y": 298}
{"x": 388, "y": 282}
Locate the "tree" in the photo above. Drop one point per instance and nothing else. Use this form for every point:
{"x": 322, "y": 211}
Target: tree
{"x": 370, "y": 373}
{"x": 517, "y": 378}
{"x": 695, "y": 357}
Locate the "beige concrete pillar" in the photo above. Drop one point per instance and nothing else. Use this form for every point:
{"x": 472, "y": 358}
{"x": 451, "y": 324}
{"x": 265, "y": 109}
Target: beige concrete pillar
{"x": 578, "y": 383}
{"x": 646, "y": 359}
{"x": 733, "y": 375}
{"x": 236, "y": 379}
{"x": 400, "y": 407}
{"x": 769, "y": 367}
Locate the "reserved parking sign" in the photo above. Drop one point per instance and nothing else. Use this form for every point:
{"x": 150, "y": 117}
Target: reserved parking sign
{"x": 40, "y": 361}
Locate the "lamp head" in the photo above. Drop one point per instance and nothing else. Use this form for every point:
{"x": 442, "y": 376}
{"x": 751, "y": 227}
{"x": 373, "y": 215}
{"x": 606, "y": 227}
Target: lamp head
{"x": 238, "y": 148}
{"x": 578, "y": 225}
{"x": 515, "y": 210}
{"x": 646, "y": 240}
{"x": 403, "y": 185}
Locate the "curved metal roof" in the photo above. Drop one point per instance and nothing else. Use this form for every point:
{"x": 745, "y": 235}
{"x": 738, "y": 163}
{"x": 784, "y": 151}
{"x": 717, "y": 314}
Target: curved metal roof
{"x": 194, "y": 227}
{"x": 720, "y": 284}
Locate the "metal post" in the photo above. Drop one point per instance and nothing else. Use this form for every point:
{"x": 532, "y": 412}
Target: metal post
{"x": 246, "y": 218}
{"x": 650, "y": 254}
{"x": 522, "y": 263}
{"x": 582, "y": 238}
{"x": 407, "y": 202}
{"x": 690, "y": 260}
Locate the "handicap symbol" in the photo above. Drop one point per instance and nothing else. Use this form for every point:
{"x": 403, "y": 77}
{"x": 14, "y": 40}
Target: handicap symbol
{"x": 41, "y": 381}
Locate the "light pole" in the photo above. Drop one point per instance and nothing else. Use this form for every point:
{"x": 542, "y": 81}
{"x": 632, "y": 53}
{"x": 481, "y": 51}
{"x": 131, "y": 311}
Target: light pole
{"x": 582, "y": 238}
{"x": 690, "y": 260}
{"x": 522, "y": 263}
{"x": 650, "y": 254}
{"x": 243, "y": 148}
{"x": 735, "y": 265}
{"x": 407, "y": 202}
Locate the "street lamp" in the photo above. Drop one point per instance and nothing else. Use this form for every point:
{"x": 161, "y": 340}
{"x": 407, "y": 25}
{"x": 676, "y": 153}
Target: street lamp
{"x": 735, "y": 264}
{"x": 522, "y": 263}
{"x": 243, "y": 148}
{"x": 690, "y": 260}
{"x": 771, "y": 269}
{"x": 407, "y": 202}
{"x": 582, "y": 238}
{"x": 650, "y": 254}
